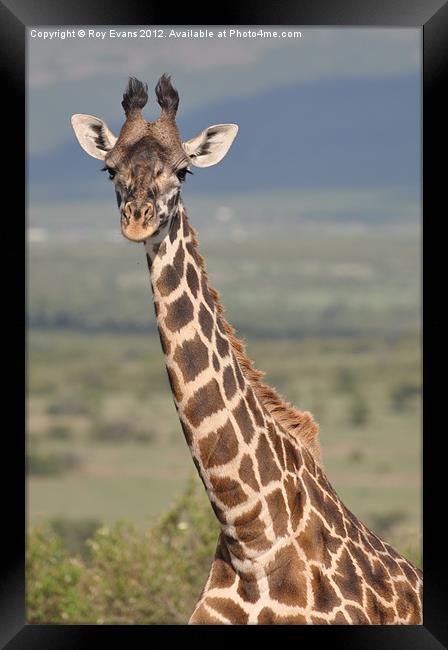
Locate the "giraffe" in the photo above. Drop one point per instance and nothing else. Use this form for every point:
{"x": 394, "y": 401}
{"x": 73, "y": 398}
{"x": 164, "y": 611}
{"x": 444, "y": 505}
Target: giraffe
{"x": 289, "y": 550}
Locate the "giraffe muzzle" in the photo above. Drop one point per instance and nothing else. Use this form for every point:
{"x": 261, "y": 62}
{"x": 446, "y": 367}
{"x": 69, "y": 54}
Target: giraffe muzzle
{"x": 139, "y": 222}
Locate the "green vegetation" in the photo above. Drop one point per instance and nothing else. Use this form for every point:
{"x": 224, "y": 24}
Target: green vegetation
{"x": 51, "y": 464}
{"x": 129, "y": 575}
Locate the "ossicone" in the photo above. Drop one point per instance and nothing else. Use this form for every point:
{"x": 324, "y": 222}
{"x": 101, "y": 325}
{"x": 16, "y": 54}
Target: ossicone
{"x": 135, "y": 96}
{"x": 167, "y": 96}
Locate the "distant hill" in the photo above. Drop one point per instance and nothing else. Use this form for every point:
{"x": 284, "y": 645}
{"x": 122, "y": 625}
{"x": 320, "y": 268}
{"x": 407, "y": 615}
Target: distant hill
{"x": 352, "y": 133}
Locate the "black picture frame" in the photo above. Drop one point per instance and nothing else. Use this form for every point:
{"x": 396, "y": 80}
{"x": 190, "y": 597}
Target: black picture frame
{"x": 15, "y": 16}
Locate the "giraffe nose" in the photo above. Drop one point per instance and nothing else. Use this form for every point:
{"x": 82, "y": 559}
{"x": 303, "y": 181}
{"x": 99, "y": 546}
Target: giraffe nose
{"x": 131, "y": 210}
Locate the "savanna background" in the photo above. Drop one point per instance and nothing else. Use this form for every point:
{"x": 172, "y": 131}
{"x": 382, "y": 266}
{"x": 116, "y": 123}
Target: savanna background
{"x": 311, "y": 231}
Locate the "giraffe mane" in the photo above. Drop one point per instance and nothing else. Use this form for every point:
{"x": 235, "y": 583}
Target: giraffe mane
{"x": 299, "y": 424}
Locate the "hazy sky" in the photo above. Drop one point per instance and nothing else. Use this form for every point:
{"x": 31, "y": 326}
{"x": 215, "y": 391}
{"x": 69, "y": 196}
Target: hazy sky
{"x": 87, "y": 75}
{"x": 337, "y": 108}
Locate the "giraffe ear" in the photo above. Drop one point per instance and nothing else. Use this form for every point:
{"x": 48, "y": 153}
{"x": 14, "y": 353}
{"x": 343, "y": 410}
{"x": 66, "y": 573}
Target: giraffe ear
{"x": 93, "y": 135}
{"x": 210, "y": 146}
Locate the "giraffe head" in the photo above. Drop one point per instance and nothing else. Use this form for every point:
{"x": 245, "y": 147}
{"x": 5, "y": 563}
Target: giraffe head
{"x": 148, "y": 162}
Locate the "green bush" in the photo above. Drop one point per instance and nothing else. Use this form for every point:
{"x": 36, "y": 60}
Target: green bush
{"x": 122, "y": 430}
{"x": 345, "y": 380}
{"x": 52, "y": 464}
{"x": 60, "y": 432}
{"x": 131, "y": 576}
{"x": 53, "y": 589}
{"x": 69, "y": 404}
{"x": 74, "y": 533}
{"x": 358, "y": 411}
{"x": 356, "y": 456}
{"x": 404, "y": 396}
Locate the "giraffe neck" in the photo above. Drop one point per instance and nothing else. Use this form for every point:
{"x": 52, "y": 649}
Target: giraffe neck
{"x": 291, "y": 542}
{"x": 225, "y": 425}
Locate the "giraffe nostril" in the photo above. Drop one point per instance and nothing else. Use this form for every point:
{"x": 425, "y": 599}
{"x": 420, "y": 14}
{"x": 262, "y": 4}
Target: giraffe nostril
{"x": 128, "y": 210}
{"x": 147, "y": 210}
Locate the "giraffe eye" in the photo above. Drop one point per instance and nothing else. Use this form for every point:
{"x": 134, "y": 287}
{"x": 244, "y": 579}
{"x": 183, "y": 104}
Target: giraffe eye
{"x": 110, "y": 171}
{"x": 181, "y": 173}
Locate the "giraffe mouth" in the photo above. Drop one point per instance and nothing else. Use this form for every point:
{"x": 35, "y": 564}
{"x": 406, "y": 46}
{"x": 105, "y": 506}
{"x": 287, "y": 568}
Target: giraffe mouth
{"x": 139, "y": 230}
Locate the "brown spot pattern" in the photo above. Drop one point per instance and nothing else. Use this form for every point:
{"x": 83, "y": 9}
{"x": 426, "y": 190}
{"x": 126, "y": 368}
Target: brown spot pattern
{"x": 377, "y": 612}
{"x": 350, "y": 524}
{"x": 220, "y": 447}
{"x": 233, "y": 612}
{"x": 249, "y": 527}
{"x": 268, "y": 617}
{"x": 410, "y": 573}
{"x": 178, "y": 261}
{"x": 215, "y": 361}
{"x": 205, "y": 321}
{"x": 223, "y": 575}
{"x": 286, "y": 578}
{"x": 317, "y": 541}
{"x": 332, "y": 515}
{"x": 309, "y": 461}
{"x": 276, "y": 441}
{"x": 247, "y": 474}
{"x": 357, "y": 616}
{"x": 375, "y": 542}
{"x": 168, "y": 280}
{"x": 340, "y": 619}
{"x": 207, "y": 295}
{"x": 267, "y": 466}
{"x": 193, "y": 252}
{"x": 325, "y": 597}
{"x": 235, "y": 547}
{"x": 205, "y": 401}
{"x": 278, "y": 512}
{"x": 373, "y": 571}
{"x": 179, "y": 313}
{"x": 192, "y": 280}
{"x": 222, "y": 345}
{"x": 324, "y": 504}
{"x": 220, "y": 514}
{"x": 254, "y": 408}
{"x": 192, "y": 358}
{"x": 292, "y": 463}
{"x": 248, "y": 588}
{"x": 407, "y": 602}
{"x": 347, "y": 579}
{"x": 243, "y": 420}
{"x": 229, "y": 382}
{"x": 391, "y": 565}
{"x": 203, "y": 617}
{"x": 296, "y": 501}
{"x": 220, "y": 324}
{"x": 318, "y": 620}
{"x": 175, "y": 224}
{"x": 228, "y": 491}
